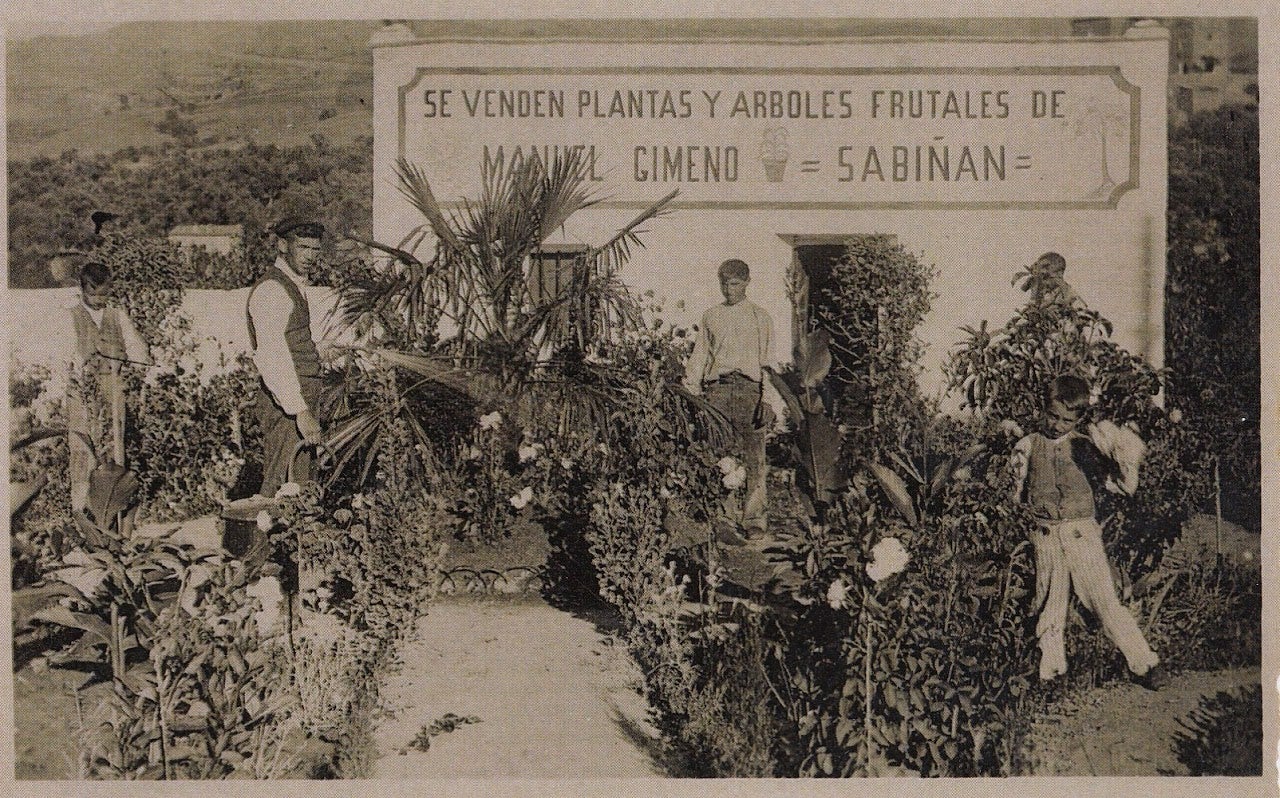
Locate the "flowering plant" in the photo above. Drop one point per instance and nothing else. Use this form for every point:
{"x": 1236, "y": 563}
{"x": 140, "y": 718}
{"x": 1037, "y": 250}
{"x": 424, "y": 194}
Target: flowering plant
{"x": 888, "y": 557}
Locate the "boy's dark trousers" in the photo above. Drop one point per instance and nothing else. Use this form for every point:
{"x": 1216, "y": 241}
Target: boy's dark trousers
{"x": 738, "y": 397}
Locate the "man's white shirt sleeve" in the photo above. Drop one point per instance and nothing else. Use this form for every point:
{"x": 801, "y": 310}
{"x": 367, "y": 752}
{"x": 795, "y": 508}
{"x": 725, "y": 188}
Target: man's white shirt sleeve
{"x": 269, "y": 307}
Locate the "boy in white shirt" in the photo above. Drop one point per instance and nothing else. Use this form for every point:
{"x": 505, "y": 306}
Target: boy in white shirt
{"x": 729, "y": 355}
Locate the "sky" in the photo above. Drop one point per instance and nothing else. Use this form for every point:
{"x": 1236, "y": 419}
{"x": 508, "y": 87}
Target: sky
{"x": 25, "y": 19}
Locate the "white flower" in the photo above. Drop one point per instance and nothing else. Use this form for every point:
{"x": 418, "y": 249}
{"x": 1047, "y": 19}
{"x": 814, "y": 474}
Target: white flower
{"x": 838, "y": 595}
{"x": 471, "y": 453}
{"x": 264, "y": 520}
{"x": 266, "y": 590}
{"x": 664, "y": 493}
{"x": 529, "y": 452}
{"x": 981, "y": 518}
{"x": 566, "y": 463}
{"x": 357, "y": 501}
{"x": 727, "y": 465}
{"x": 522, "y": 498}
{"x": 491, "y": 420}
{"x": 736, "y": 478}
{"x": 1175, "y": 416}
{"x": 888, "y": 557}
{"x": 289, "y": 489}
{"x": 962, "y": 474}
{"x": 1247, "y": 556}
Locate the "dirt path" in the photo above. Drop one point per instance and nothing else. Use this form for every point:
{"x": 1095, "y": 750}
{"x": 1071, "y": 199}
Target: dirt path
{"x": 554, "y": 694}
{"x": 1124, "y": 730}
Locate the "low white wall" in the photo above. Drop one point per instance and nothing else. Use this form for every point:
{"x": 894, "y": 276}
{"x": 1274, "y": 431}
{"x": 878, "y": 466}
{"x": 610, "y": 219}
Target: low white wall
{"x": 38, "y": 324}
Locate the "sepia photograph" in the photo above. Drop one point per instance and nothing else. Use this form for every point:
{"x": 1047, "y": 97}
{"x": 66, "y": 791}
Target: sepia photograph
{"x": 548, "y": 396}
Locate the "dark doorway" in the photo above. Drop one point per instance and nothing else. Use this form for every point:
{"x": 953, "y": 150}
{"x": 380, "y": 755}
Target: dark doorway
{"x": 820, "y": 261}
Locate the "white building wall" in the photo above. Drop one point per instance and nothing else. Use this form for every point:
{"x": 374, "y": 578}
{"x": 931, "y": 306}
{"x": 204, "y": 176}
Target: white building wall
{"x": 1115, "y": 253}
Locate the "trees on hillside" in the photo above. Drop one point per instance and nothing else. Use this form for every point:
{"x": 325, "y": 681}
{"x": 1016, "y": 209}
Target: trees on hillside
{"x": 154, "y": 189}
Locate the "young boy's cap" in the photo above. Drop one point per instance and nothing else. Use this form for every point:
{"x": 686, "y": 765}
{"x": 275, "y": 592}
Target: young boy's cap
{"x": 298, "y": 227}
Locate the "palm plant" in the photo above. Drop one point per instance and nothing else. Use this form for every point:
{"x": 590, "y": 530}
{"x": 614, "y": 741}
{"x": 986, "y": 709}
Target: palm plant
{"x": 506, "y": 343}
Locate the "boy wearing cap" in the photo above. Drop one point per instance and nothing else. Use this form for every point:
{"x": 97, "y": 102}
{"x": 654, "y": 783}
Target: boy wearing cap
{"x": 729, "y": 355}
{"x": 279, "y": 321}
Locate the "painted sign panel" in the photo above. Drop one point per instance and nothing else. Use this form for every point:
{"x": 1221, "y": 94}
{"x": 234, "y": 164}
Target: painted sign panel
{"x": 1035, "y": 137}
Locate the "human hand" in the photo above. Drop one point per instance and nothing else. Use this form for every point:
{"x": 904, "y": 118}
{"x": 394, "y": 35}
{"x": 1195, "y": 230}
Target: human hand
{"x": 309, "y": 427}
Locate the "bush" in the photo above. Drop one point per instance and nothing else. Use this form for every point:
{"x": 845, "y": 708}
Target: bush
{"x": 1224, "y": 735}
{"x": 187, "y": 432}
{"x": 39, "y": 530}
{"x": 875, "y": 296}
{"x": 1003, "y": 375}
{"x": 1213, "y": 293}
{"x": 930, "y": 670}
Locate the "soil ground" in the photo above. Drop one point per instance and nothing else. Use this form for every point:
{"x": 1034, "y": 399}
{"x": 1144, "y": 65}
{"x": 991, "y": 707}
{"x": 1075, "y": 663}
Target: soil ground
{"x": 553, "y": 695}
{"x": 1122, "y": 729}
{"x": 556, "y": 695}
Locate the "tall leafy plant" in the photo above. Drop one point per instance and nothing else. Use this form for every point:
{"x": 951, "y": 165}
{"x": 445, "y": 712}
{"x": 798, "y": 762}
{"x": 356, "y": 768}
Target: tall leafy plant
{"x": 872, "y": 300}
{"x": 818, "y": 440}
{"x": 501, "y": 350}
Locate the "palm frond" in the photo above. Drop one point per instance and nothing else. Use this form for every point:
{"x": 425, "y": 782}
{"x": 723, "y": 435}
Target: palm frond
{"x": 413, "y": 184}
{"x": 434, "y": 368}
{"x": 618, "y": 249}
{"x": 401, "y": 255}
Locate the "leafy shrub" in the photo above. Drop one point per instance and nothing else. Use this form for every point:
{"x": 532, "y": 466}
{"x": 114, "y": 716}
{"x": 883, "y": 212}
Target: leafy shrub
{"x": 870, "y": 303}
{"x": 226, "y": 703}
{"x": 730, "y": 724}
{"x": 39, "y": 530}
{"x": 649, "y": 465}
{"x": 1224, "y": 735}
{"x": 1209, "y": 618}
{"x": 187, "y": 431}
{"x": 926, "y": 671}
{"x": 369, "y": 560}
{"x": 1003, "y": 375}
{"x": 1213, "y": 293}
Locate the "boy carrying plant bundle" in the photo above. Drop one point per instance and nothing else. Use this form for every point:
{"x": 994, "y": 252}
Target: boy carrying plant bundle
{"x": 1058, "y": 469}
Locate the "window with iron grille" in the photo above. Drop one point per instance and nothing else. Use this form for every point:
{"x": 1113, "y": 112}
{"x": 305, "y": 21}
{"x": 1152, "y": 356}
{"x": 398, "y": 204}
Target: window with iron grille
{"x": 559, "y": 273}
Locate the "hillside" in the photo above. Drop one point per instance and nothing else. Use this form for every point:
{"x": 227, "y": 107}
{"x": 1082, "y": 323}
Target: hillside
{"x": 271, "y": 82}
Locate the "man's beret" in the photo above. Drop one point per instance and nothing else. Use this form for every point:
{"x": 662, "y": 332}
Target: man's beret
{"x": 298, "y": 227}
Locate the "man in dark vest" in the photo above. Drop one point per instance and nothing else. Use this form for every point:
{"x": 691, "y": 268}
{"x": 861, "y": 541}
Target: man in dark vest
{"x": 279, "y": 321}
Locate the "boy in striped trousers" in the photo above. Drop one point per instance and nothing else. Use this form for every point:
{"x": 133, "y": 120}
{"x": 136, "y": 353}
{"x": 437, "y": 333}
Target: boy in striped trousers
{"x": 1058, "y": 469}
